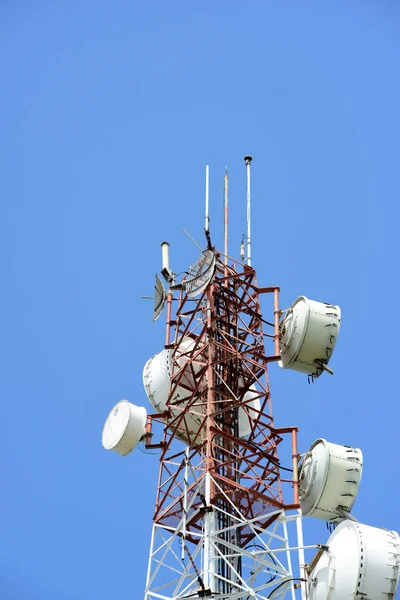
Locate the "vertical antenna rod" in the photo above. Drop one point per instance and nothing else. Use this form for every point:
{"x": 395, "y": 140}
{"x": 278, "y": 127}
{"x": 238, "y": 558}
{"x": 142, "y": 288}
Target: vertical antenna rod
{"x": 207, "y": 218}
{"x": 226, "y": 216}
{"x": 247, "y": 160}
{"x": 169, "y": 277}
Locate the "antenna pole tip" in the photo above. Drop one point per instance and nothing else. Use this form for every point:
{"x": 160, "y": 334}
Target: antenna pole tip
{"x": 248, "y": 159}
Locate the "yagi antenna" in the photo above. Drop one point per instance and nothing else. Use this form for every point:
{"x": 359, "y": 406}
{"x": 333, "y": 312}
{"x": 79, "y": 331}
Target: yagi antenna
{"x": 201, "y": 274}
{"x": 159, "y": 298}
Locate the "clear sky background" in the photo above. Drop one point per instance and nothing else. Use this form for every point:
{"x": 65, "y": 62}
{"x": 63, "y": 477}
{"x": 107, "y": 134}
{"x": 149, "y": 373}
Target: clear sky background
{"x": 109, "y": 112}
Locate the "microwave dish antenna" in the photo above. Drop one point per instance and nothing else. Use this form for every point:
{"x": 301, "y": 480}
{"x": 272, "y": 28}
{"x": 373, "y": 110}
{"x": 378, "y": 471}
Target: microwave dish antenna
{"x": 159, "y": 298}
{"x": 200, "y": 275}
{"x": 330, "y": 478}
{"x": 309, "y": 332}
{"x": 124, "y": 427}
{"x": 361, "y": 561}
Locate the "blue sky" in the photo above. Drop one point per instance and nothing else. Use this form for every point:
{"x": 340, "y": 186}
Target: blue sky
{"x": 109, "y": 112}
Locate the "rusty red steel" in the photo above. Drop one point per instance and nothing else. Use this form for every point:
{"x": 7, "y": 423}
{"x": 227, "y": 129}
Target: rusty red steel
{"x": 226, "y": 357}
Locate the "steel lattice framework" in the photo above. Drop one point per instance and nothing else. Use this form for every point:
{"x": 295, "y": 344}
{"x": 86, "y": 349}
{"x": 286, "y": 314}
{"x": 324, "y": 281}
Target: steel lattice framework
{"x": 220, "y": 520}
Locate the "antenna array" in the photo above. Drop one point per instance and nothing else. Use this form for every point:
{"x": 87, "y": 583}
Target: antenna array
{"x": 228, "y": 519}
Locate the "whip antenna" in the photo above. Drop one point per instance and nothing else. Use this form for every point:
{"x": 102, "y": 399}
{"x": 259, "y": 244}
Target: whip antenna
{"x": 207, "y": 218}
{"x": 247, "y": 160}
{"x": 226, "y": 216}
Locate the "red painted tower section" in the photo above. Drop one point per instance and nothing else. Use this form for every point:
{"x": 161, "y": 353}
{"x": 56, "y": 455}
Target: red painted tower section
{"x": 220, "y": 484}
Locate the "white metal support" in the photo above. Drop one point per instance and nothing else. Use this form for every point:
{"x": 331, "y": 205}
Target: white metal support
{"x": 209, "y": 526}
{"x": 261, "y": 570}
{"x": 302, "y": 561}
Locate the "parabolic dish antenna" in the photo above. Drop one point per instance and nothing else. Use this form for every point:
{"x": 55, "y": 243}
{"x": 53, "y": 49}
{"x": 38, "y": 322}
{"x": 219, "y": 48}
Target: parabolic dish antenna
{"x": 360, "y": 562}
{"x": 156, "y": 381}
{"x": 159, "y": 298}
{"x": 308, "y": 336}
{"x": 124, "y": 428}
{"x": 330, "y": 477}
{"x": 201, "y": 274}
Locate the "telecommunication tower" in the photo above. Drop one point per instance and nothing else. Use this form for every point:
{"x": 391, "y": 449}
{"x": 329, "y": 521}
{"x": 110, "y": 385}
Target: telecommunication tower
{"x": 228, "y": 517}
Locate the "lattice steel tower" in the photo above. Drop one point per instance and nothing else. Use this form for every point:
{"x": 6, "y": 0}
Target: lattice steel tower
{"x": 225, "y": 505}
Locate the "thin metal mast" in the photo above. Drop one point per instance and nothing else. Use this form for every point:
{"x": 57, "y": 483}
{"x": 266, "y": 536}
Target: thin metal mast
{"x": 226, "y": 216}
{"x": 247, "y": 160}
{"x": 207, "y": 218}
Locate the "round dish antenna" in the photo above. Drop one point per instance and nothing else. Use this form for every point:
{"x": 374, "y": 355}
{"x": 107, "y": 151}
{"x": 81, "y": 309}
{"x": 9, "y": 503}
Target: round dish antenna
{"x": 330, "y": 477}
{"x": 201, "y": 274}
{"x": 360, "y": 562}
{"x": 309, "y": 332}
{"x": 159, "y": 298}
{"x": 124, "y": 427}
{"x": 156, "y": 380}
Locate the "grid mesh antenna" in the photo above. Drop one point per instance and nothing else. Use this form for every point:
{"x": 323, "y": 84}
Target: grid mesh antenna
{"x": 201, "y": 274}
{"x": 159, "y": 298}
